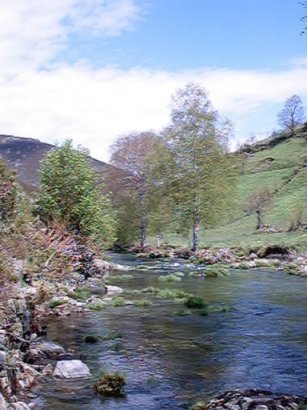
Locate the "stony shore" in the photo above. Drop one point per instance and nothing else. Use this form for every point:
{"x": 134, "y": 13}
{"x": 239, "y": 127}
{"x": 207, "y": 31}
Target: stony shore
{"x": 269, "y": 256}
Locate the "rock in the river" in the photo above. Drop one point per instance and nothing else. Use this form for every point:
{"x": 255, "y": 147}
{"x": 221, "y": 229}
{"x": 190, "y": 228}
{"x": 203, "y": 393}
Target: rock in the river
{"x": 18, "y": 406}
{"x": 113, "y": 290}
{"x": 71, "y": 369}
{"x": 253, "y": 399}
{"x": 3, "y": 405}
{"x": 43, "y": 350}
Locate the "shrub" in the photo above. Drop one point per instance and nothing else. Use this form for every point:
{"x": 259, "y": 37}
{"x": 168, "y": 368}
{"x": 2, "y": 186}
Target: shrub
{"x": 110, "y": 385}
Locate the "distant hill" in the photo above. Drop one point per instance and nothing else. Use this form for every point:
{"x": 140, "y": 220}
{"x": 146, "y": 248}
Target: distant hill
{"x": 24, "y": 156}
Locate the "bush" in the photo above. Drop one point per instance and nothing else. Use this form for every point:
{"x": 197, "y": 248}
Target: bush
{"x": 110, "y": 385}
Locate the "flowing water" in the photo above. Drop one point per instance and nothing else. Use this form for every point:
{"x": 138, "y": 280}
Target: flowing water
{"x": 171, "y": 361}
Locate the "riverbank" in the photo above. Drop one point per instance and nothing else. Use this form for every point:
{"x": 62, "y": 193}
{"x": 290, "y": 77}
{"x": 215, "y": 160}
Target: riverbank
{"x": 27, "y": 298}
{"x": 71, "y": 295}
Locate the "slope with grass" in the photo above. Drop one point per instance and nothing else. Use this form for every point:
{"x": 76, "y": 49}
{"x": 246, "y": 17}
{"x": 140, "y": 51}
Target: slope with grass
{"x": 280, "y": 165}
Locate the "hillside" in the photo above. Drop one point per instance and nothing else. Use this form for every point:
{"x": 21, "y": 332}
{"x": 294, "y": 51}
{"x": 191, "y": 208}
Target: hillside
{"x": 24, "y": 155}
{"x": 279, "y": 164}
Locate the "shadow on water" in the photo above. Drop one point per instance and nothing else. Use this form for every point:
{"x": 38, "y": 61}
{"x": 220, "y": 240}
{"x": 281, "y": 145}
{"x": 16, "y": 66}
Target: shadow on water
{"x": 171, "y": 361}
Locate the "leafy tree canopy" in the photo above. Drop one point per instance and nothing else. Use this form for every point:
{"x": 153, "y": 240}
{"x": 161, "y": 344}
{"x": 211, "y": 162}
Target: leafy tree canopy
{"x": 70, "y": 194}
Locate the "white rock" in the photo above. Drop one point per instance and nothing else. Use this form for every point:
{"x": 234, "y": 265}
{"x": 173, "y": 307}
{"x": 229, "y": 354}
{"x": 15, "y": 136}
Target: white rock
{"x": 71, "y": 369}
{"x": 117, "y": 266}
{"x": 113, "y": 290}
{"x": 18, "y": 406}
{"x": 3, "y": 405}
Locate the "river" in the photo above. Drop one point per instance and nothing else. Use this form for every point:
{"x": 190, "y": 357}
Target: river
{"x": 171, "y": 361}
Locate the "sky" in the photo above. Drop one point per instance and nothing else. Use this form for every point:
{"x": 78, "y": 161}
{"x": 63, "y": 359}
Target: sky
{"x": 94, "y": 70}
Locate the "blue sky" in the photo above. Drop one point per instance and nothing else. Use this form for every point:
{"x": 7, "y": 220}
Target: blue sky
{"x": 92, "y": 70}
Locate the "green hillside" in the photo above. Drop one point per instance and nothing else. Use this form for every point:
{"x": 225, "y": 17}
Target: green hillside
{"x": 281, "y": 167}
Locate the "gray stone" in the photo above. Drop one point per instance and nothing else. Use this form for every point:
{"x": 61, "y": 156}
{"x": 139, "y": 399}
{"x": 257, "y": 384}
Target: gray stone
{"x": 49, "y": 349}
{"x": 71, "y": 369}
{"x": 2, "y": 358}
{"x": 18, "y": 406}
{"x": 3, "y": 405}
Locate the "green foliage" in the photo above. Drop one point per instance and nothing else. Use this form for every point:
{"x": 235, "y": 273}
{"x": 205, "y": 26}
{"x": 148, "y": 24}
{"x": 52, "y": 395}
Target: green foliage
{"x": 8, "y": 193}
{"x": 196, "y": 172}
{"x": 69, "y": 195}
{"x": 80, "y": 293}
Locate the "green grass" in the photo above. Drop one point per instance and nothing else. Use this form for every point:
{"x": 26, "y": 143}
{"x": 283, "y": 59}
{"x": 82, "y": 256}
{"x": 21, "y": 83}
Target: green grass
{"x": 286, "y": 178}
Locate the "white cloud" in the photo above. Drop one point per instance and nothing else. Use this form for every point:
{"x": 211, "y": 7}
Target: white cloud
{"x": 32, "y": 32}
{"x": 95, "y": 105}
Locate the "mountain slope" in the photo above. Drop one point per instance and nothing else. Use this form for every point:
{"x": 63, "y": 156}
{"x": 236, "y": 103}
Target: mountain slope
{"x": 24, "y": 156}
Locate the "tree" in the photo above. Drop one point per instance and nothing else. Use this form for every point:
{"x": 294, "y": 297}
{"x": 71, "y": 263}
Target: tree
{"x": 70, "y": 195}
{"x": 292, "y": 115}
{"x": 197, "y": 169}
{"x": 131, "y": 181}
{"x": 304, "y": 18}
{"x": 258, "y": 204}
{"x": 8, "y": 193}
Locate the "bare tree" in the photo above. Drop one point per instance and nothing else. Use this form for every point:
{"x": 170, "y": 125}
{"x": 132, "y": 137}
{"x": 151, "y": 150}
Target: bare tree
{"x": 304, "y": 18}
{"x": 292, "y": 115}
{"x": 131, "y": 175}
{"x": 258, "y": 203}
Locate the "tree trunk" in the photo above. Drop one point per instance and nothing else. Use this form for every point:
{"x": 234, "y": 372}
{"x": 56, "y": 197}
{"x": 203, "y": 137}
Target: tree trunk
{"x": 195, "y": 235}
{"x": 259, "y": 218}
{"x": 143, "y": 215}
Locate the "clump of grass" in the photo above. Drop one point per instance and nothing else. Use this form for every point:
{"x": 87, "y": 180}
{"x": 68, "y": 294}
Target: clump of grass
{"x": 179, "y": 274}
{"x": 195, "y": 302}
{"x": 142, "y": 303}
{"x": 118, "y": 301}
{"x": 55, "y": 303}
{"x": 170, "y": 278}
{"x": 216, "y": 271}
{"x": 97, "y": 307}
{"x": 80, "y": 293}
{"x": 171, "y": 294}
{"x": 120, "y": 278}
{"x": 150, "y": 289}
{"x": 110, "y": 384}
{"x": 91, "y": 339}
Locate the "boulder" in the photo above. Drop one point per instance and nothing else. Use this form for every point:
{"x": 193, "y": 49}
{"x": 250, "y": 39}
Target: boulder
{"x": 3, "y": 405}
{"x": 18, "y": 406}
{"x": 43, "y": 350}
{"x": 113, "y": 290}
{"x": 71, "y": 369}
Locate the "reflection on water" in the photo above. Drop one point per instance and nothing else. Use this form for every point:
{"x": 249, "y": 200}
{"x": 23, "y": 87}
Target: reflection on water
{"x": 172, "y": 361}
